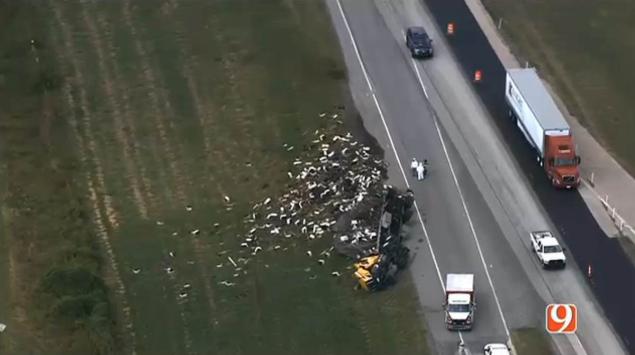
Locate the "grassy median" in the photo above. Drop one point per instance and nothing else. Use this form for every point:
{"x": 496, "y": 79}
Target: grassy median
{"x": 532, "y": 341}
{"x": 124, "y": 124}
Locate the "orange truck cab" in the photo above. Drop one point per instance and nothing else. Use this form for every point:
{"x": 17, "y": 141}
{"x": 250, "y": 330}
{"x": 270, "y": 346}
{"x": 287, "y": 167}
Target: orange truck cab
{"x": 544, "y": 127}
{"x": 562, "y": 162}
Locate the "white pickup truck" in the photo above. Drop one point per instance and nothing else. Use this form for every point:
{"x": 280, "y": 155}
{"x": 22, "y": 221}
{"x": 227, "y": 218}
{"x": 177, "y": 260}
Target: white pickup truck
{"x": 496, "y": 349}
{"x": 548, "y": 250}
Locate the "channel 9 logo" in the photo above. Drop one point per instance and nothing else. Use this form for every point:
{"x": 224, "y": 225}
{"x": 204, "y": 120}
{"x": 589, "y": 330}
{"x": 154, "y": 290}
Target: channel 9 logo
{"x": 562, "y": 318}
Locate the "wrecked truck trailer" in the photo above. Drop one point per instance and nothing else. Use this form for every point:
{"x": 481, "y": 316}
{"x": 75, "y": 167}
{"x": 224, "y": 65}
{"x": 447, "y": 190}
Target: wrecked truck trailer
{"x": 377, "y": 270}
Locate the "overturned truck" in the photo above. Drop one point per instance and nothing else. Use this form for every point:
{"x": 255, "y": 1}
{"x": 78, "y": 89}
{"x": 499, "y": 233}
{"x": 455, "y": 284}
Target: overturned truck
{"x": 382, "y": 255}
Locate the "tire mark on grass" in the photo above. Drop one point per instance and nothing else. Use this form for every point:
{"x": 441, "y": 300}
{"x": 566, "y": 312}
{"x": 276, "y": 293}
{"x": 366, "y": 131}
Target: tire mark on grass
{"x": 235, "y": 100}
{"x": 204, "y": 114}
{"x": 108, "y": 87}
{"x": 95, "y": 183}
{"x": 361, "y": 321}
{"x": 91, "y": 143}
{"x": 129, "y": 124}
{"x": 112, "y": 276}
{"x": 115, "y": 274}
{"x": 187, "y": 338}
{"x": 180, "y": 302}
{"x": 158, "y": 99}
{"x": 390, "y": 308}
{"x": 201, "y": 254}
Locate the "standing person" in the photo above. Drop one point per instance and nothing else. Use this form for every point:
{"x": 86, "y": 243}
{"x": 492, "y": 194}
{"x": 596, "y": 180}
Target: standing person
{"x": 420, "y": 171}
{"x": 425, "y": 168}
{"x": 413, "y": 166}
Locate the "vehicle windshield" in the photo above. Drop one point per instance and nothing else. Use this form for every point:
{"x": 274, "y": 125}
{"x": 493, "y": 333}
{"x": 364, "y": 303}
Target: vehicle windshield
{"x": 459, "y": 308}
{"x": 552, "y": 249}
{"x": 420, "y": 38}
{"x": 564, "y": 162}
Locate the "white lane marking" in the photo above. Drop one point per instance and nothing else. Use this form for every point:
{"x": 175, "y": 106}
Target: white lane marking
{"x": 423, "y": 86}
{"x": 467, "y": 213}
{"x": 424, "y": 89}
{"x": 574, "y": 339}
{"x": 577, "y": 344}
{"x": 392, "y": 145}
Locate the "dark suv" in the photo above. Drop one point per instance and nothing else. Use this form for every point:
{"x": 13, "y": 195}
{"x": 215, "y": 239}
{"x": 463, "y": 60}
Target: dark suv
{"x": 419, "y": 43}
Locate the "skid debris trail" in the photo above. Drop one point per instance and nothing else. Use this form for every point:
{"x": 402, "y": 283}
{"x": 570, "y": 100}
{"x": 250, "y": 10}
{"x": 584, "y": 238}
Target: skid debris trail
{"x": 335, "y": 190}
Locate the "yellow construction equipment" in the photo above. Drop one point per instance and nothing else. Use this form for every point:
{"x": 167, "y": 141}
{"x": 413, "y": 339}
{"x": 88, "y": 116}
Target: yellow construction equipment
{"x": 377, "y": 270}
{"x": 363, "y": 270}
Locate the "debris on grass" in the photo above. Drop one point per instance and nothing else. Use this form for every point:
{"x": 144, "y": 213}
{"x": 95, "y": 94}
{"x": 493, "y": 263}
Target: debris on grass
{"x": 336, "y": 189}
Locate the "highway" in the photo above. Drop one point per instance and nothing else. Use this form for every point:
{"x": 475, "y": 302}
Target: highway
{"x": 475, "y": 208}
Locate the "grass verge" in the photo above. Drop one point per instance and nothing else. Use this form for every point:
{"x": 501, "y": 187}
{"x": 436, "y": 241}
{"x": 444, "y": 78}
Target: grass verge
{"x": 125, "y": 135}
{"x": 532, "y": 341}
{"x": 53, "y": 277}
{"x": 584, "y": 49}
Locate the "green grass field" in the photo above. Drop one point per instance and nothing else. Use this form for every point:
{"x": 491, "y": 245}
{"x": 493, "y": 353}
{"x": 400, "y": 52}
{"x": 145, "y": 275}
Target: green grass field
{"x": 118, "y": 115}
{"x": 532, "y": 341}
{"x": 586, "y": 50}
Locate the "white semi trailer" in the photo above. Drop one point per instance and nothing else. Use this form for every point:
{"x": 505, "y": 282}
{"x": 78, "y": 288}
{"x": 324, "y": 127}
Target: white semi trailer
{"x": 537, "y": 116}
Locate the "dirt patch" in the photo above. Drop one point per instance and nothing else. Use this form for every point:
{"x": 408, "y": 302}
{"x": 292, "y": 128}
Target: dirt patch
{"x": 354, "y": 123}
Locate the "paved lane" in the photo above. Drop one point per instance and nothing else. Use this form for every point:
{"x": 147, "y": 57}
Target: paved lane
{"x": 411, "y": 121}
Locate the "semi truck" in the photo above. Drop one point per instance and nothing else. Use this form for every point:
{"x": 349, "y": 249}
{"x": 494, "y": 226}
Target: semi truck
{"x": 459, "y": 301}
{"x": 535, "y": 113}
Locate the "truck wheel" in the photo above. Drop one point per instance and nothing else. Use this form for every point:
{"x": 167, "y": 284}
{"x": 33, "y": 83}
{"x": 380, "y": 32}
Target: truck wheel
{"x": 406, "y": 216}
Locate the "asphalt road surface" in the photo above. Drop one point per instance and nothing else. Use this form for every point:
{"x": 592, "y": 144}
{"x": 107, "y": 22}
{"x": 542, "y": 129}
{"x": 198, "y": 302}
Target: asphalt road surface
{"x": 473, "y": 222}
{"x": 614, "y": 275}
{"x": 454, "y": 235}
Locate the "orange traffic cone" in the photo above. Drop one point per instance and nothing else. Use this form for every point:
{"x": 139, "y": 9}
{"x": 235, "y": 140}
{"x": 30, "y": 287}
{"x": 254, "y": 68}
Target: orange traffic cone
{"x": 451, "y": 28}
{"x": 478, "y": 76}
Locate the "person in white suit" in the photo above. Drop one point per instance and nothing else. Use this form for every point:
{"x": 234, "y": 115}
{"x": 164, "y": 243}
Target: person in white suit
{"x": 413, "y": 166}
{"x": 420, "y": 171}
